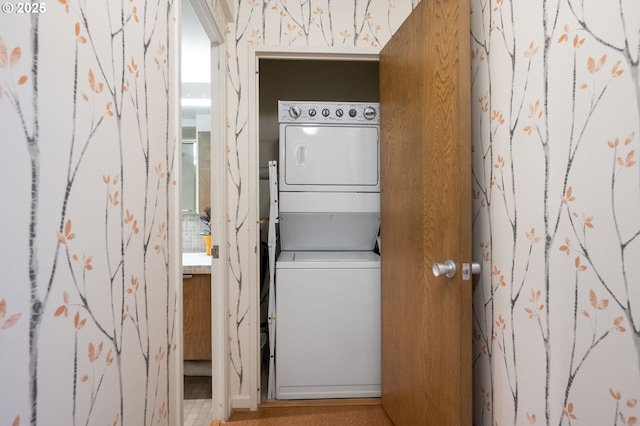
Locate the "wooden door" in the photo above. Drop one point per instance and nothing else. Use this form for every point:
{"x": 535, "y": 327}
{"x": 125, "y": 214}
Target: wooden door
{"x": 426, "y": 217}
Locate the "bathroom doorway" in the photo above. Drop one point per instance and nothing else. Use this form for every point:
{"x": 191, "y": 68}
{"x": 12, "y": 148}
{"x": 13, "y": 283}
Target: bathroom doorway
{"x": 202, "y": 187}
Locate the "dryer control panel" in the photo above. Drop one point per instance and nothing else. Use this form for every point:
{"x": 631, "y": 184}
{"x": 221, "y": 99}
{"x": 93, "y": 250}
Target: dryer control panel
{"x": 329, "y": 112}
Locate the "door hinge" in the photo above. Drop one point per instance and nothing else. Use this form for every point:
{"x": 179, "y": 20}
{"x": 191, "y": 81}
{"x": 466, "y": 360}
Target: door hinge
{"x": 215, "y": 251}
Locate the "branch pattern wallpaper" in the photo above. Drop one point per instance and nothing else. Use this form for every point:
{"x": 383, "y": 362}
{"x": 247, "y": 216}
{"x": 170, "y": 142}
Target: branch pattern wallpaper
{"x": 555, "y": 103}
{"x": 87, "y": 299}
{"x": 556, "y": 198}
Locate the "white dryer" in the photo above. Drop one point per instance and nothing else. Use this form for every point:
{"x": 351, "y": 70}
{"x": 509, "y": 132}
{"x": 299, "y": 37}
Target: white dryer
{"x": 327, "y": 276}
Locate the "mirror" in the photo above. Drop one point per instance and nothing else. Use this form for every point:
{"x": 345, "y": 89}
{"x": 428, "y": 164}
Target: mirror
{"x": 189, "y": 199}
{"x": 196, "y": 113}
{"x": 196, "y": 162}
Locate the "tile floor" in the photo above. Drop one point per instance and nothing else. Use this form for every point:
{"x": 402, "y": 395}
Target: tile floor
{"x": 197, "y": 401}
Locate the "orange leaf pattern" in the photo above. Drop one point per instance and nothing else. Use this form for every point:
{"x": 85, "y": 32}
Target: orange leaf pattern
{"x": 596, "y": 303}
{"x": 531, "y": 236}
{"x": 94, "y": 351}
{"x": 568, "y": 411}
{"x": 531, "y": 418}
{"x": 15, "y": 57}
{"x": 66, "y": 5}
{"x": 617, "y": 326}
{"x": 594, "y": 66}
{"x": 109, "y": 104}
{"x": 567, "y": 246}
{"x": 63, "y": 310}
{"x": 568, "y": 197}
{"x": 77, "y": 322}
{"x": 4, "y": 58}
{"x": 533, "y": 50}
{"x": 11, "y": 320}
{"x": 66, "y": 235}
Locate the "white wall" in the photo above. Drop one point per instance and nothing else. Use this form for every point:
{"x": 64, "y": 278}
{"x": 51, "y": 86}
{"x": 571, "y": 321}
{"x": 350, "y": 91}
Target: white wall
{"x": 555, "y": 212}
{"x": 88, "y": 320}
{"x": 556, "y": 201}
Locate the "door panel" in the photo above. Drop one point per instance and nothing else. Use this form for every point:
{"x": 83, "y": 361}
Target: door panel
{"x": 426, "y": 217}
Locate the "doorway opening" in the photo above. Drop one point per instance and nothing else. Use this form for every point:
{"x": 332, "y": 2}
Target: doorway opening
{"x": 195, "y": 72}
{"x": 342, "y": 77}
{"x": 203, "y": 157}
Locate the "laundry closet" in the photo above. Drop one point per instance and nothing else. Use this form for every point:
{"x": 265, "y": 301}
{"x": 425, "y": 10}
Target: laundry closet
{"x": 326, "y": 320}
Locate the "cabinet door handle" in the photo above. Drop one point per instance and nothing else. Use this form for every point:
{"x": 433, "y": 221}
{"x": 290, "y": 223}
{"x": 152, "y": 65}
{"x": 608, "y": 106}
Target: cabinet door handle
{"x": 186, "y": 276}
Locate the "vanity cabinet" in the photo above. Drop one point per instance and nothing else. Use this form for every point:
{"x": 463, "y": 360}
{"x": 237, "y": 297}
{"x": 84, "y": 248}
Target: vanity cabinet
{"x": 196, "y": 308}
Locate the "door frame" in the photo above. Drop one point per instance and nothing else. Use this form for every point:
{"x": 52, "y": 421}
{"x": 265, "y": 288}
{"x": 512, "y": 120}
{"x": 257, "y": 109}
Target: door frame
{"x": 256, "y": 53}
{"x": 221, "y": 407}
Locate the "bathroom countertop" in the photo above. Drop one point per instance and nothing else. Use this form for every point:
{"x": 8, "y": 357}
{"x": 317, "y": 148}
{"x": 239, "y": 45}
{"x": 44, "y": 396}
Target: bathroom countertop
{"x": 196, "y": 263}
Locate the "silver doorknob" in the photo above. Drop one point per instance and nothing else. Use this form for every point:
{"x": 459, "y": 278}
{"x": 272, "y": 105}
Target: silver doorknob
{"x": 448, "y": 269}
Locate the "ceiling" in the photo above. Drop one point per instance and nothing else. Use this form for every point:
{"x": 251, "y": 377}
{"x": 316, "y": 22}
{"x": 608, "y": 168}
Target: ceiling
{"x": 196, "y": 65}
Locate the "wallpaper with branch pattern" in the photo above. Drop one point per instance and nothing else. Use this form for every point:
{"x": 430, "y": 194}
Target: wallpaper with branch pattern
{"x": 87, "y": 320}
{"x": 87, "y": 160}
{"x": 555, "y": 98}
{"x": 555, "y": 101}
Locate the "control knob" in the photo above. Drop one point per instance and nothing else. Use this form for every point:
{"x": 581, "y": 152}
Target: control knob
{"x": 312, "y": 112}
{"x": 369, "y": 113}
{"x": 295, "y": 112}
{"x": 339, "y": 112}
{"x": 352, "y": 112}
{"x": 325, "y": 112}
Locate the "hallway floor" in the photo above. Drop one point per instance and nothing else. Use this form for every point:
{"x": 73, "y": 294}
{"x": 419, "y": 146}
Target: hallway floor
{"x": 197, "y": 401}
{"x": 314, "y": 413}
{"x": 197, "y": 410}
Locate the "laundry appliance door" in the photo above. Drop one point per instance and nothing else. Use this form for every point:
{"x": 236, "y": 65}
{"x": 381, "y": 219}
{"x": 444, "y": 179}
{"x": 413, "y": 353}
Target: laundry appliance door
{"x": 329, "y": 220}
{"x": 331, "y": 158}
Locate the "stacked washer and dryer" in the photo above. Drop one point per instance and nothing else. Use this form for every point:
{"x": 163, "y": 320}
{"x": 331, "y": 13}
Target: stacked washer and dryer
{"x": 327, "y": 276}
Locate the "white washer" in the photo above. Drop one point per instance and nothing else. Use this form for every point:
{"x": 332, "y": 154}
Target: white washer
{"x": 327, "y": 283}
{"x": 327, "y": 325}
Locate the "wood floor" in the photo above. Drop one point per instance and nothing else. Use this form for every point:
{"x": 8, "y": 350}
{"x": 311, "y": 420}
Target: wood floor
{"x": 321, "y": 412}
{"x": 314, "y": 413}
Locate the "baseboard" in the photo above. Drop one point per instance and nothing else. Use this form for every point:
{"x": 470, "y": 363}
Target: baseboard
{"x": 320, "y": 402}
{"x": 197, "y": 368}
{"x": 240, "y": 401}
